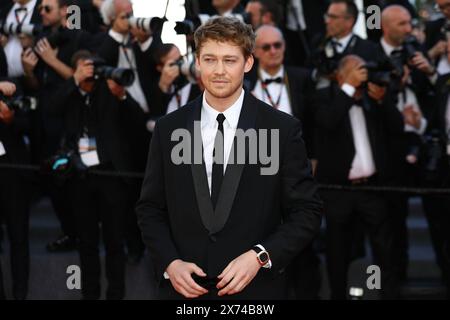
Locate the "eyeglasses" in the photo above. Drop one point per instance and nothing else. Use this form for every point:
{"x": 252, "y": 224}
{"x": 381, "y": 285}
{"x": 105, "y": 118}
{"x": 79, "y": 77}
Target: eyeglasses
{"x": 277, "y": 45}
{"x": 46, "y": 8}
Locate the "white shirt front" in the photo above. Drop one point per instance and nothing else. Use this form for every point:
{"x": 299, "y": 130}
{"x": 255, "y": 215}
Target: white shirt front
{"x": 128, "y": 60}
{"x": 275, "y": 89}
{"x": 343, "y": 42}
{"x": 409, "y": 98}
{"x": 184, "y": 96}
{"x": 292, "y": 22}
{"x": 13, "y": 48}
{"x": 209, "y": 127}
{"x": 363, "y": 165}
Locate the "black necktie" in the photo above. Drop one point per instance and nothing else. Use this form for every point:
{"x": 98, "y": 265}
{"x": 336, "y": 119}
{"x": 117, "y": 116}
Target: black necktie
{"x": 276, "y": 80}
{"x": 396, "y": 53}
{"x": 217, "y": 168}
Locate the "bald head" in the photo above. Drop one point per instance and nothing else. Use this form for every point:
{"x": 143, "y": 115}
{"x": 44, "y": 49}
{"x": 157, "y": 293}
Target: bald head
{"x": 396, "y": 24}
{"x": 268, "y": 31}
{"x": 269, "y": 48}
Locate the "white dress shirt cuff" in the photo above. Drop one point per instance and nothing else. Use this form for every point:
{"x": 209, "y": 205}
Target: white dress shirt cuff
{"x": 348, "y": 89}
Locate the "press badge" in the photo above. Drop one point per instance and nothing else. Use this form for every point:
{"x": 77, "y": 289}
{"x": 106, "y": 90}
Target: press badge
{"x": 2, "y": 149}
{"x": 88, "y": 151}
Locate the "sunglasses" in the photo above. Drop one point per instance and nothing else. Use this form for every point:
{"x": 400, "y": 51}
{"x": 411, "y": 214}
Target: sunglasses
{"x": 277, "y": 45}
{"x": 46, "y": 8}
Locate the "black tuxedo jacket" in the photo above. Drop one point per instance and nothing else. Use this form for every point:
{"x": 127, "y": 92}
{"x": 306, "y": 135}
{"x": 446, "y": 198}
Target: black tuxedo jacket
{"x": 301, "y": 90}
{"x": 146, "y": 68}
{"x": 281, "y": 211}
{"x": 335, "y": 146}
{"x": 433, "y": 32}
{"x": 111, "y": 115}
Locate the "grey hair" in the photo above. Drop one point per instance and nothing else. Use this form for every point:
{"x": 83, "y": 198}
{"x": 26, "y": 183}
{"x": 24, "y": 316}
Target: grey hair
{"x": 108, "y": 11}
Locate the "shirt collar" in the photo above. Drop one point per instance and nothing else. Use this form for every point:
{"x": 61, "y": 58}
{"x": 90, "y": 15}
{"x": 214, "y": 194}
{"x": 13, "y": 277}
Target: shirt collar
{"x": 232, "y": 113}
{"x": 388, "y": 48}
{"x": 264, "y": 75}
{"x": 30, "y": 6}
{"x": 344, "y": 41}
{"x": 118, "y": 36}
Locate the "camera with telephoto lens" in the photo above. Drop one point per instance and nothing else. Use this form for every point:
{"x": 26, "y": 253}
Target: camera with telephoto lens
{"x": 14, "y": 29}
{"x": 189, "y": 25}
{"x": 22, "y": 104}
{"x": 153, "y": 25}
{"x": 410, "y": 47}
{"x": 186, "y": 65}
{"x": 123, "y": 76}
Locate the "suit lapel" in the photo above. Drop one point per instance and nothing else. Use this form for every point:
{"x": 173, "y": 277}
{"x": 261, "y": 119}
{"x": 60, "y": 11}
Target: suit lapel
{"x": 293, "y": 95}
{"x": 199, "y": 170}
{"x": 214, "y": 221}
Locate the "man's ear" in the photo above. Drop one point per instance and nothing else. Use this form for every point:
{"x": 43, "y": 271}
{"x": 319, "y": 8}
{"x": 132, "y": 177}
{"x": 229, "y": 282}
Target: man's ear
{"x": 197, "y": 62}
{"x": 249, "y": 63}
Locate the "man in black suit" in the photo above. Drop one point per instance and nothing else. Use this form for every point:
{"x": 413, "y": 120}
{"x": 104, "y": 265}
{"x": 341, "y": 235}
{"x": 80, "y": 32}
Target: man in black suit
{"x": 198, "y": 221}
{"x": 352, "y": 126}
{"x": 413, "y": 96}
{"x": 14, "y": 191}
{"x": 133, "y": 48}
{"x": 339, "y": 41}
{"x": 288, "y": 89}
{"x": 94, "y": 115}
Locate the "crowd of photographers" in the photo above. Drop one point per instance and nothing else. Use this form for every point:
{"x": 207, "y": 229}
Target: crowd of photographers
{"x": 82, "y": 104}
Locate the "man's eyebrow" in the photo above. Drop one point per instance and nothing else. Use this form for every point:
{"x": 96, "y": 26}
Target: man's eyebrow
{"x": 210, "y": 55}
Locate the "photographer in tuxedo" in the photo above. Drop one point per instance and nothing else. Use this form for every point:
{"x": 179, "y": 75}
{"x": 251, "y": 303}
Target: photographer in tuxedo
{"x": 95, "y": 111}
{"x": 355, "y": 118}
{"x": 209, "y": 234}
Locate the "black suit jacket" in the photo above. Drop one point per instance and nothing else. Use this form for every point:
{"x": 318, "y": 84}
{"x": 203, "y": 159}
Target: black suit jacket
{"x": 146, "y": 68}
{"x": 111, "y": 116}
{"x": 433, "y": 32}
{"x": 301, "y": 90}
{"x": 335, "y": 148}
{"x": 175, "y": 212}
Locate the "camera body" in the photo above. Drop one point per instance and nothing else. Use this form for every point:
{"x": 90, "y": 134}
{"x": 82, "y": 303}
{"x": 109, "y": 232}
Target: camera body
{"x": 124, "y": 77}
{"x": 188, "y": 71}
{"x": 22, "y": 104}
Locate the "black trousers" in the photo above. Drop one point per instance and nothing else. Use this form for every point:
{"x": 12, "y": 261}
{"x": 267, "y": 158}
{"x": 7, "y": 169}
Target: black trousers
{"x": 100, "y": 200}
{"x": 14, "y": 211}
{"x": 133, "y": 236}
{"x": 437, "y": 212}
{"x": 341, "y": 208}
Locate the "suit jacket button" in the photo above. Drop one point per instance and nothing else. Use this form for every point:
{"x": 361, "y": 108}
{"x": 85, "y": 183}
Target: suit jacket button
{"x": 212, "y": 238}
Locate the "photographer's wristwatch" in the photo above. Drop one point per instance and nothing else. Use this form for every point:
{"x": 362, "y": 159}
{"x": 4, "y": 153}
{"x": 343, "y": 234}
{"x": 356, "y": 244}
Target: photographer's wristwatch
{"x": 262, "y": 256}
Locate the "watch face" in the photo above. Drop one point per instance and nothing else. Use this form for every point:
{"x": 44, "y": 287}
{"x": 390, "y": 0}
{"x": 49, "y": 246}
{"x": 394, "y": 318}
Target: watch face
{"x": 264, "y": 257}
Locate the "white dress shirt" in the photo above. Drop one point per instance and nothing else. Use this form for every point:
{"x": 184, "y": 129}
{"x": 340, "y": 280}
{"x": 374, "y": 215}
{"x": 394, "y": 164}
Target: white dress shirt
{"x": 275, "y": 89}
{"x": 343, "y": 42}
{"x": 209, "y": 127}
{"x": 184, "y": 96}
{"x": 409, "y": 98}
{"x": 363, "y": 165}
{"x": 13, "y": 48}
{"x": 128, "y": 60}
{"x": 292, "y": 22}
